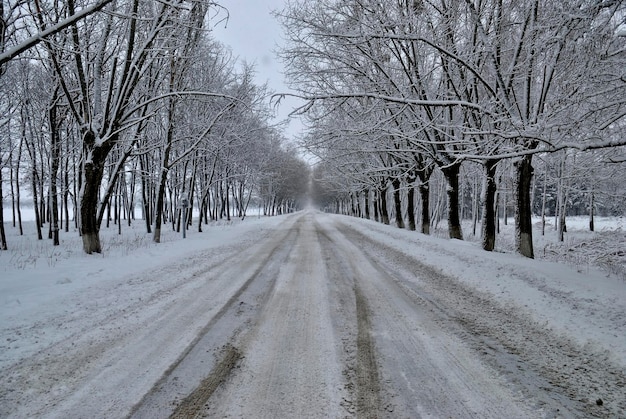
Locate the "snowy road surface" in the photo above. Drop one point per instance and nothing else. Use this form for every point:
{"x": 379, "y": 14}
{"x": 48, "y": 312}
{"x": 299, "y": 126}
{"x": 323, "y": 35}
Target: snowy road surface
{"x": 309, "y": 318}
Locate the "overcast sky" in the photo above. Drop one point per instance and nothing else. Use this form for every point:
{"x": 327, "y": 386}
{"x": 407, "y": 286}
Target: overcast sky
{"x": 253, "y": 35}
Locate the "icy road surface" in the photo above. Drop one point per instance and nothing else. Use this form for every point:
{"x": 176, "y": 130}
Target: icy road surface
{"x": 311, "y": 319}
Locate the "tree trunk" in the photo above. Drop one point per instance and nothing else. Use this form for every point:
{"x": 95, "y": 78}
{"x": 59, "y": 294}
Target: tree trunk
{"x": 425, "y": 198}
{"x": 216, "y": 201}
{"x": 410, "y": 210}
{"x": 563, "y": 197}
{"x": 247, "y": 203}
{"x": 3, "y": 238}
{"x": 489, "y": 214}
{"x": 130, "y": 197}
{"x": 397, "y": 202}
{"x": 375, "y": 205}
{"x": 543, "y": 200}
{"x": 562, "y": 215}
{"x": 77, "y": 186}
{"x": 44, "y": 203}
{"x": 475, "y": 205}
{"x": 145, "y": 200}
{"x": 34, "y": 176}
{"x": 66, "y": 186}
{"x": 115, "y": 203}
{"x": 192, "y": 194}
{"x": 352, "y": 209}
{"x": 12, "y": 183}
{"x": 384, "y": 212}
{"x": 221, "y": 198}
{"x": 505, "y": 207}
{"x": 126, "y": 202}
{"x": 169, "y": 138}
{"x": 36, "y": 208}
{"x": 523, "y": 214}
{"x": 119, "y": 211}
{"x": 591, "y": 212}
{"x": 497, "y": 211}
{"x": 158, "y": 218}
{"x": 107, "y": 205}
{"x": 366, "y": 206}
{"x": 424, "y": 190}
{"x": 227, "y": 200}
{"x": 18, "y": 197}
{"x": 201, "y": 212}
{"x": 454, "y": 223}
{"x": 93, "y": 170}
{"x": 55, "y": 148}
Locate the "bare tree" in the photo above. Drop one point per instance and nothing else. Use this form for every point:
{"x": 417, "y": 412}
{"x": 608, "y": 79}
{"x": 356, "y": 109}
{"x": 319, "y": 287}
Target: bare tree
{"x": 24, "y": 45}
{"x": 107, "y": 105}
{"x": 483, "y": 81}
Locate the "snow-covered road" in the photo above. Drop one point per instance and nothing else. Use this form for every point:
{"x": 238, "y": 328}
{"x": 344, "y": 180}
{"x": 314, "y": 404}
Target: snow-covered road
{"x": 311, "y": 316}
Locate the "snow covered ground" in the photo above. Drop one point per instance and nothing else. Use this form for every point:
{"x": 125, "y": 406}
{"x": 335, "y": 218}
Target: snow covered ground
{"x": 133, "y": 331}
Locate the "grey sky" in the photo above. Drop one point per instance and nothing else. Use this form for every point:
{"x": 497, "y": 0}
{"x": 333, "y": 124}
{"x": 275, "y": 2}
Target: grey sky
{"x": 253, "y": 35}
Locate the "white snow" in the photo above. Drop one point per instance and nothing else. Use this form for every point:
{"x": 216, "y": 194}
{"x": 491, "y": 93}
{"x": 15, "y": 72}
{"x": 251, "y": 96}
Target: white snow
{"x": 583, "y": 302}
{"x": 51, "y": 294}
{"x": 34, "y": 274}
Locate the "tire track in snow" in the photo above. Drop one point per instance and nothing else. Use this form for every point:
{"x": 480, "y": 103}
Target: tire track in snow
{"x": 359, "y": 353}
{"x": 560, "y": 377}
{"x": 107, "y": 321}
{"x": 424, "y": 371}
{"x": 210, "y": 358}
{"x": 101, "y": 371}
{"x": 195, "y": 402}
{"x": 368, "y": 385}
{"x": 291, "y": 366}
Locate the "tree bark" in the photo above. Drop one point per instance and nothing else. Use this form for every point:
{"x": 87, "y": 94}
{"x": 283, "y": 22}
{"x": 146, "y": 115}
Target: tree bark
{"x": 145, "y": 196}
{"x": 158, "y": 217}
{"x": 523, "y": 214}
{"x": 397, "y": 202}
{"x": 591, "y": 212}
{"x": 18, "y": 197}
{"x": 543, "y": 200}
{"x": 55, "y": 148}
{"x": 66, "y": 189}
{"x": 192, "y": 193}
{"x": 424, "y": 190}
{"x": 425, "y": 198}
{"x": 3, "y": 238}
{"x": 352, "y": 209}
{"x": 410, "y": 209}
{"x": 454, "y": 223}
{"x": 475, "y": 205}
{"x": 36, "y": 208}
{"x": 505, "y": 206}
{"x": 384, "y": 212}
{"x": 375, "y": 204}
{"x": 169, "y": 138}
{"x": 12, "y": 183}
{"x": 489, "y": 214}
{"x": 30, "y": 148}
{"x": 93, "y": 170}
{"x": 227, "y": 201}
